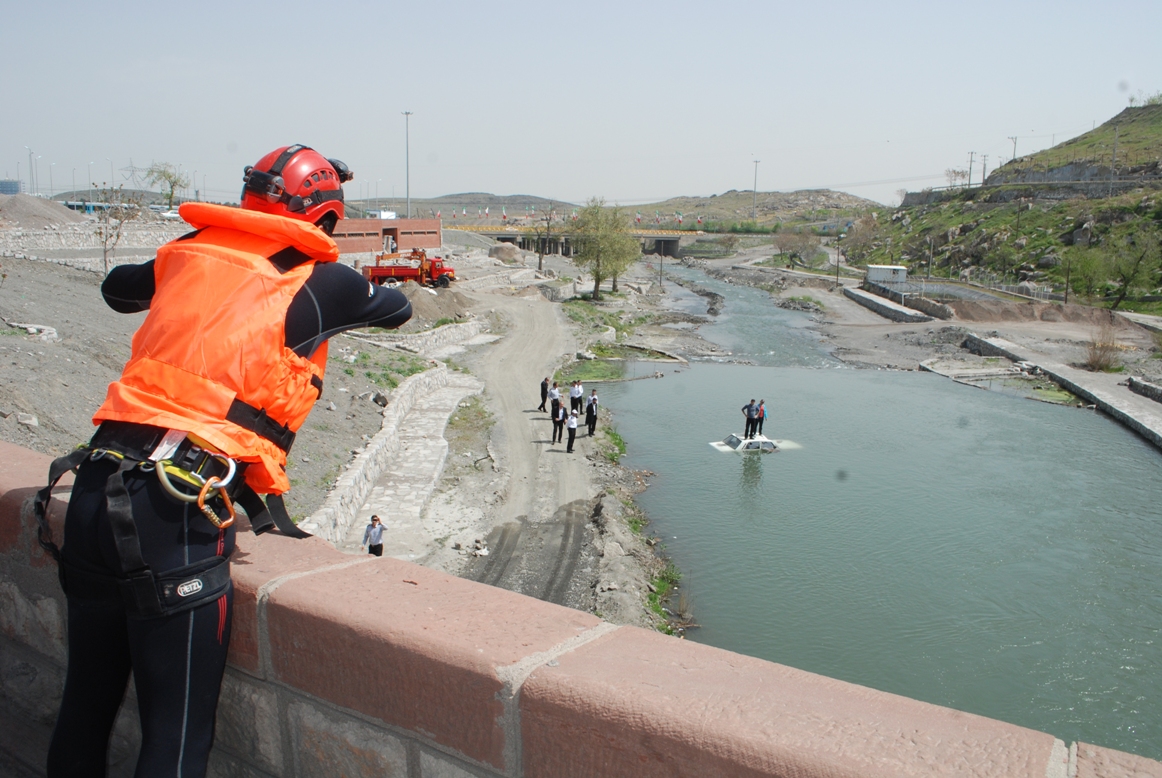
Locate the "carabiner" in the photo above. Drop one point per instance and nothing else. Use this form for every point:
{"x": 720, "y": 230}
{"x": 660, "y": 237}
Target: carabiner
{"x": 215, "y": 483}
{"x": 163, "y": 476}
{"x": 231, "y": 469}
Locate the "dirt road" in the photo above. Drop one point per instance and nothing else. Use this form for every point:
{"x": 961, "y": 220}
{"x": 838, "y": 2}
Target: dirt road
{"x": 540, "y": 544}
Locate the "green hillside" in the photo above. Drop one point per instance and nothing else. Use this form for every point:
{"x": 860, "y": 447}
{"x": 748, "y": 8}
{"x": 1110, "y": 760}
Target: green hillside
{"x": 1139, "y": 143}
{"x": 1042, "y": 241}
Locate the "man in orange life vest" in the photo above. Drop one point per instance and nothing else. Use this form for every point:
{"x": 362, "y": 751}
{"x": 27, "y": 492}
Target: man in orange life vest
{"x": 224, "y": 370}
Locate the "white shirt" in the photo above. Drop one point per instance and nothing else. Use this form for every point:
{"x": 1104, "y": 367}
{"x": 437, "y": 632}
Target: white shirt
{"x": 554, "y": 393}
{"x": 572, "y": 423}
{"x": 576, "y": 391}
{"x": 373, "y": 535}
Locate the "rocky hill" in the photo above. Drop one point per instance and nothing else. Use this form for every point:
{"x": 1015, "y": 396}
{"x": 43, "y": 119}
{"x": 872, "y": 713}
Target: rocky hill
{"x": 809, "y": 205}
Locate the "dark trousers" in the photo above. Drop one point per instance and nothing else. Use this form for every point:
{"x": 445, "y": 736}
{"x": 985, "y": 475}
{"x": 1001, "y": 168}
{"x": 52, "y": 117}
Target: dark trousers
{"x": 592, "y": 425}
{"x": 176, "y": 661}
{"x": 572, "y": 435}
{"x": 558, "y": 430}
{"x": 760, "y": 424}
{"x": 554, "y": 406}
{"x": 750, "y": 427}
{"x": 575, "y": 403}
{"x": 375, "y": 550}
{"x": 544, "y": 398}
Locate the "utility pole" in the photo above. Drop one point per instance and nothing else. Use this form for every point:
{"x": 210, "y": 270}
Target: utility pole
{"x": 1013, "y": 138}
{"x": 407, "y": 158}
{"x": 984, "y": 173}
{"x": 31, "y": 181}
{"x": 50, "y": 186}
{"x": 90, "y": 182}
{"x": 971, "y": 154}
{"x": 755, "y": 192}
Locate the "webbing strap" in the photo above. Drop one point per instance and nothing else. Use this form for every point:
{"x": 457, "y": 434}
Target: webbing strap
{"x": 119, "y": 511}
{"x": 254, "y": 419}
{"x": 265, "y": 516}
{"x": 56, "y": 471}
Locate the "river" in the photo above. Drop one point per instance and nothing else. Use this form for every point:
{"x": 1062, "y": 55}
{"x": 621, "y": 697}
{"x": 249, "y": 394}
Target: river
{"x": 975, "y": 550}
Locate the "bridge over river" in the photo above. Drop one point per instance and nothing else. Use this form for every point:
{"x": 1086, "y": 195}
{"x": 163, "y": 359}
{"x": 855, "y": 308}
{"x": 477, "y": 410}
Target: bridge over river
{"x": 664, "y": 242}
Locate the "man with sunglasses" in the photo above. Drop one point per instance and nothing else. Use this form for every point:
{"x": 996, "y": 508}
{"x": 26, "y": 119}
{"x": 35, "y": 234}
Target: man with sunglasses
{"x": 224, "y": 370}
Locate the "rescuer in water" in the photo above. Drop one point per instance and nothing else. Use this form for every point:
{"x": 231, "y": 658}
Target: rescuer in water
{"x": 224, "y": 370}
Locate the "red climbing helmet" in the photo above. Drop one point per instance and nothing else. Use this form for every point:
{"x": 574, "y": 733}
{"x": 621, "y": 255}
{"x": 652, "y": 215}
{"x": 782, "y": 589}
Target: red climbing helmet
{"x": 296, "y": 181}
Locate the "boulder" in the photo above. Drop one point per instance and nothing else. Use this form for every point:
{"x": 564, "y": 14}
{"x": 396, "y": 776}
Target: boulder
{"x": 1049, "y": 260}
{"x": 505, "y": 252}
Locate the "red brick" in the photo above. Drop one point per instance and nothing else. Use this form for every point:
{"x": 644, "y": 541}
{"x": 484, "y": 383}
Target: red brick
{"x": 638, "y": 703}
{"x": 258, "y": 560}
{"x": 1098, "y": 762}
{"x": 413, "y": 647}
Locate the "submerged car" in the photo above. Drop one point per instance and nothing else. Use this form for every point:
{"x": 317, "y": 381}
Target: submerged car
{"x": 756, "y": 445}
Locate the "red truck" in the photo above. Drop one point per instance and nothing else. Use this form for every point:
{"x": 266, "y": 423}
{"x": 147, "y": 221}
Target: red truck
{"x": 416, "y": 266}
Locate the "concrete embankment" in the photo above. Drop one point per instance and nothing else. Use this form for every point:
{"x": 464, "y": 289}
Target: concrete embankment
{"x": 1110, "y": 393}
{"x": 885, "y": 308}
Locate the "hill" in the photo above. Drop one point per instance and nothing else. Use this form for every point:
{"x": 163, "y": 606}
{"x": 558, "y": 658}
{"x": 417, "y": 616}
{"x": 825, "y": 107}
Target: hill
{"x": 1136, "y": 133}
{"x": 733, "y": 207}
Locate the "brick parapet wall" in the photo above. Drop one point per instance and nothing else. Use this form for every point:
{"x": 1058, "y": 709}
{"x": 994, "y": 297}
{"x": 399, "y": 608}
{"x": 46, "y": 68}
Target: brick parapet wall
{"x": 366, "y": 666}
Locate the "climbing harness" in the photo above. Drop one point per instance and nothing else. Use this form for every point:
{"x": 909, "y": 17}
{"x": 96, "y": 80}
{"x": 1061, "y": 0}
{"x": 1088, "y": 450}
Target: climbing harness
{"x": 209, "y": 475}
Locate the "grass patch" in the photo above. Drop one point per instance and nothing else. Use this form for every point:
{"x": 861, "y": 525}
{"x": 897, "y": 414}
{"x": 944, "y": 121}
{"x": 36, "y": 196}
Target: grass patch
{"x": 384, "y": 368}
{"x": 617, "y": 450}
{"x": 663, "y": 583}
{"x": 805, "y": 298}
{"x": 591, "y": 370}
{"x": 471, "y": 416}
{"x": 442, "y": 321}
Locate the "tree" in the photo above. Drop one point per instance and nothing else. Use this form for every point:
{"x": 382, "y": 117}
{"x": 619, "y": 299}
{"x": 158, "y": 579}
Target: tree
{"x": 799, "y": 245}
{"x": 955, "y": 177}
{"x": 1132, "y": 263}
{"x": 861, "y": 238}
{"x": 543, "y": 232}
{"x": 1087, "y": 270}
{"x": 120, "y": 209}
{"x": 166, "y": 176}
{"x": 603, "y": 241}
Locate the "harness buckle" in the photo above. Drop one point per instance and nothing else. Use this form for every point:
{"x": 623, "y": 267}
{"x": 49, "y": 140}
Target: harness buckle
{"x": 215, "y": 483}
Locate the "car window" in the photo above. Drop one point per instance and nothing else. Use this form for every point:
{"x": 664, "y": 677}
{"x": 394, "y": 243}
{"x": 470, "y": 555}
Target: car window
{"x": 768, "y": 447}
{"x": 752, "y": 444}
{"x": 733, "y": 441}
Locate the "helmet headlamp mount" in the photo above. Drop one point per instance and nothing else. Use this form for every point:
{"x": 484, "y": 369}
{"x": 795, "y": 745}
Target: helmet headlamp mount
{"x": 296, "y": 181}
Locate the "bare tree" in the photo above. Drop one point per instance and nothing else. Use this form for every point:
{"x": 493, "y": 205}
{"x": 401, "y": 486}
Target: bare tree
{"x": 955, "y": 177}
{"x": 168, "y": 177}
{"x": 120, "y": 209}
{"x": 799, "y": 245}
{"x": 543, "y": 232}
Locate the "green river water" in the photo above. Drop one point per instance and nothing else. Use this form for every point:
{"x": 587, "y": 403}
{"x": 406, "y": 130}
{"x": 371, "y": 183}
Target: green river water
{"x": 967, "y": 548}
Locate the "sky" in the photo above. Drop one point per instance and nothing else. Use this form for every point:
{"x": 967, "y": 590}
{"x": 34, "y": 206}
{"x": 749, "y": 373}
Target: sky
{"x": 631, "y": 101}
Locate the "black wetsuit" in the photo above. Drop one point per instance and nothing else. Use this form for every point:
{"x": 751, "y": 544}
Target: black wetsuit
{"x": 178, "y": 660}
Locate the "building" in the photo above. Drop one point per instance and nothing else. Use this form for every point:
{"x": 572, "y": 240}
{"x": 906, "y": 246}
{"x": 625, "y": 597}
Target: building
{"x": 11, "y": 186}
{"x": 354, "y": 235}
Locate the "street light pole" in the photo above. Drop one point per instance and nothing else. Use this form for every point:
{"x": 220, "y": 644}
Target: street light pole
{"x": 90, "y": 182}
{"x": 50, "y": 186}
{"x": 754, "y": 204}
{"x": 407, "y": 158}
{"x": 74, "y": 192}
{"x": 31, "y": 183}
{"x": 112, "y": 175}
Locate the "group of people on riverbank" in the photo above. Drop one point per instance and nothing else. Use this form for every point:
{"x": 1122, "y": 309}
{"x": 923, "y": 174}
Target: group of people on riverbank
{"x": 567, "y": 420}
{"x": 755, "y": 416}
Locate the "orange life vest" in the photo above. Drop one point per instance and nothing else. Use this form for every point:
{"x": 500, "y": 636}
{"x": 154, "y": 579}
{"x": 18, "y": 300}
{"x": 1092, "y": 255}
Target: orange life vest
{"x": 215, "y": 333}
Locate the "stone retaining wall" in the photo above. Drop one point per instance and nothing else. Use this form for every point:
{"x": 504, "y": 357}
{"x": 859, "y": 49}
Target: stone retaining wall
{"x": 446, "y": 335}
{"x": 1153, "y": 391}
{"x": 333, "y": 520}
{"x": 512, "y": 277}
{"x": 361, "y": 666}
{"x": 887, "y": 309}
{"x": 913, "y": 301}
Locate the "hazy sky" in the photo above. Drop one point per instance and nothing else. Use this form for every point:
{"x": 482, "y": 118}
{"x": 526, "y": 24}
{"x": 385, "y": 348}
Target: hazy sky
{"x": 632, "y": 101}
